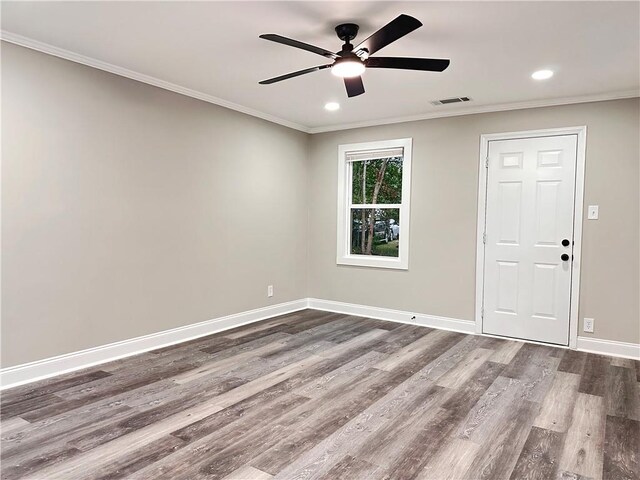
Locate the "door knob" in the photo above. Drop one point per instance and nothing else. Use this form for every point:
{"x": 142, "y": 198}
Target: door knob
{"x": 566, "y": 242}
{"x": 564, "y": 257}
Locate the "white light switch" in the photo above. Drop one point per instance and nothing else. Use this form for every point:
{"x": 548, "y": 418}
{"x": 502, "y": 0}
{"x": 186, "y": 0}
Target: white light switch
{"x": 592, "y": 212}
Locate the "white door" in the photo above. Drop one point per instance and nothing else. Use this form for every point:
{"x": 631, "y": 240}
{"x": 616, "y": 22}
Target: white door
{"x": 529, "y": 238}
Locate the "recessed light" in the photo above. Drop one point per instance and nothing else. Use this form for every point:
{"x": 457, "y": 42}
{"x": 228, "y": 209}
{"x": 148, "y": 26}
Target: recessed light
{"x": 542, "y": 74}
{"x": 332, "y": 106}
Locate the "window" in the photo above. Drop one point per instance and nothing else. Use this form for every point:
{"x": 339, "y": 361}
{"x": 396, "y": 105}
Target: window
{"x": 374, "y": 181}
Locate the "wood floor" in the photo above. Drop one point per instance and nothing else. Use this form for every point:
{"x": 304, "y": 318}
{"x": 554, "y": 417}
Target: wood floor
{"x": 329, "y": 396}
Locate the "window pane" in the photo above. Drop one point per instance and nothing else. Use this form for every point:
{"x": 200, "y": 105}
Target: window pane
{"x": 377, "y": 181}
{"x": 375, "y": 231}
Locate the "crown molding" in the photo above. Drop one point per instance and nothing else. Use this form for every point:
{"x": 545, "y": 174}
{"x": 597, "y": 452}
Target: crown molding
{"x": 503, "y": 107}
{"x": 141, "y": 77}
{"x": 156, "y": 82}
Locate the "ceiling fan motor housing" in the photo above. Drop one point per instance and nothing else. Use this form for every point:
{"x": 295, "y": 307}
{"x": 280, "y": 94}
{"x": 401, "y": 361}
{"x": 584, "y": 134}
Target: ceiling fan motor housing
{"x": 347, "y": 31}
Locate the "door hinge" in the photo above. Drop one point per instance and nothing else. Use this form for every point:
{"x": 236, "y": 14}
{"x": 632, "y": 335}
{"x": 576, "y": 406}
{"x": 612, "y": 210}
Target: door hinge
{"x": 482, "y": 312}
{"x": 484, "y": 237}
{"x": 486, "y": 163}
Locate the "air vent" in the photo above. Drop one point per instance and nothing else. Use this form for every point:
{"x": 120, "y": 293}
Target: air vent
{"x": 447, "y": 101}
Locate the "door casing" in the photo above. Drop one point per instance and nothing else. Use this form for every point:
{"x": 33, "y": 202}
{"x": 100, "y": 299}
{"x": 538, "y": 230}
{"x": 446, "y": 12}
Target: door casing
{"x": 578, "y": 209}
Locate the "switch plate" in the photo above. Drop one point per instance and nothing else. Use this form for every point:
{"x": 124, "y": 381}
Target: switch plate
{"x": 269, "y": 290}
{"x": 588, "y": 325}
{"x": 592, "y": 212}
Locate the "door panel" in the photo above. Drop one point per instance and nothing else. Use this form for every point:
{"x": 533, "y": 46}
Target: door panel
{"x": 510, "y": 206}
{"x": 529, "y": 211}
{"x": 544, "y": 289}
{"x": 507, "y": 301}
{"x": 546, "y": 211}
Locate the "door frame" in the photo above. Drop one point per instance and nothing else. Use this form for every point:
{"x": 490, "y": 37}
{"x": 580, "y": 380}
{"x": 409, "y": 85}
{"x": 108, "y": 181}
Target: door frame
{"x": 578, "y": 214}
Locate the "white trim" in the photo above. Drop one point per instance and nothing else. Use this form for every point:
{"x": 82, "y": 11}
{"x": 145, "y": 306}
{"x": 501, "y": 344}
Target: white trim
{"x": 472, "y": 110}
{"x": 585, "y": 344}
{"x": 141, "y": 77}
{"x": 398, "y": 316}
{"x": 343, "y": 247}
{"x": 49, "y": 367}
{"x": 468, "y": 110}
{"x": 609, "y": 347}
{"x": 578, "y": 214}
{"x": 578, "y": 217}
{"x": 480, "y": 226}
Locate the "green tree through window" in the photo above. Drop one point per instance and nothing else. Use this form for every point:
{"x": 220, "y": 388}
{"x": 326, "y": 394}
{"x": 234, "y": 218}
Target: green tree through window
{"x": 376, "y": 183}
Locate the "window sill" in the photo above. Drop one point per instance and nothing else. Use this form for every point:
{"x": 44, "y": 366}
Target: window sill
{"x": 373, "y": 262}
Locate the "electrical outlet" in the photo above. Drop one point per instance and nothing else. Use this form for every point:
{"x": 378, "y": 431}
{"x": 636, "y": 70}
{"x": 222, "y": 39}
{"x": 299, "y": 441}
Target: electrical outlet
{"x": 588, "y": 325}
{"x": 269, "y": 290}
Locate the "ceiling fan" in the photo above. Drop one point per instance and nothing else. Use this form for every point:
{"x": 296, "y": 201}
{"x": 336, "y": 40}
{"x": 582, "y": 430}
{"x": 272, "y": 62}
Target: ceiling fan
{"x": 351, "y": 62}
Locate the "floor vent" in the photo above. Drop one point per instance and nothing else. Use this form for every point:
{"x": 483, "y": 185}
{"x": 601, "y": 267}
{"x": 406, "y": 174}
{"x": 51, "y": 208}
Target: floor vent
{"x": 447, "y": 101}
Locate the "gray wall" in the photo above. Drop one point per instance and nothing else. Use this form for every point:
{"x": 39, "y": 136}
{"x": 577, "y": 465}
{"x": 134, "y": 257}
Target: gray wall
{"x": 441, "y": 275}
{"x": 128, "y": 210}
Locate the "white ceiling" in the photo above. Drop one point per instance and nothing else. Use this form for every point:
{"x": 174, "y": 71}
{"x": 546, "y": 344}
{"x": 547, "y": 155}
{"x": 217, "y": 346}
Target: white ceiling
{"x": 213, "y": 48}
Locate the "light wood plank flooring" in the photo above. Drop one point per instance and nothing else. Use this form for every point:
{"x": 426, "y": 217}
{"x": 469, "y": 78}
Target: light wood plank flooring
{"x": 329, "y": 396}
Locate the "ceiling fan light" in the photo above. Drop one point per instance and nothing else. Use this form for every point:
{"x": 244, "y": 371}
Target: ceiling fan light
{"x": 348, "y": 68}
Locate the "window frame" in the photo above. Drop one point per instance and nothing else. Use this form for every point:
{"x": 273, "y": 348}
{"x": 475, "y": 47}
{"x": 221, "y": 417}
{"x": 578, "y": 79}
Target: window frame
{"x": 345, "y": 185}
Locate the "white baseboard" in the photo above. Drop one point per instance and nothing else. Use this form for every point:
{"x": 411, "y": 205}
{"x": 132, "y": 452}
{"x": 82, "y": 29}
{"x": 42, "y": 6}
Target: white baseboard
{"x": 49, "y": 367}
{"x": 585, "y": 344}
{"x": 609, "y": 347}
{"x": 443, "y": 323}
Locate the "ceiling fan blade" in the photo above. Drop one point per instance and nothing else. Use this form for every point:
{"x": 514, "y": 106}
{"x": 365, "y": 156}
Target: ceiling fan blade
{"x": 354, "y": 86}
{"x": 293, "y": 74}
{"x": 391, "y": 32}
{"x": 425, "y": 64}
{"x": 295, "y": 43}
